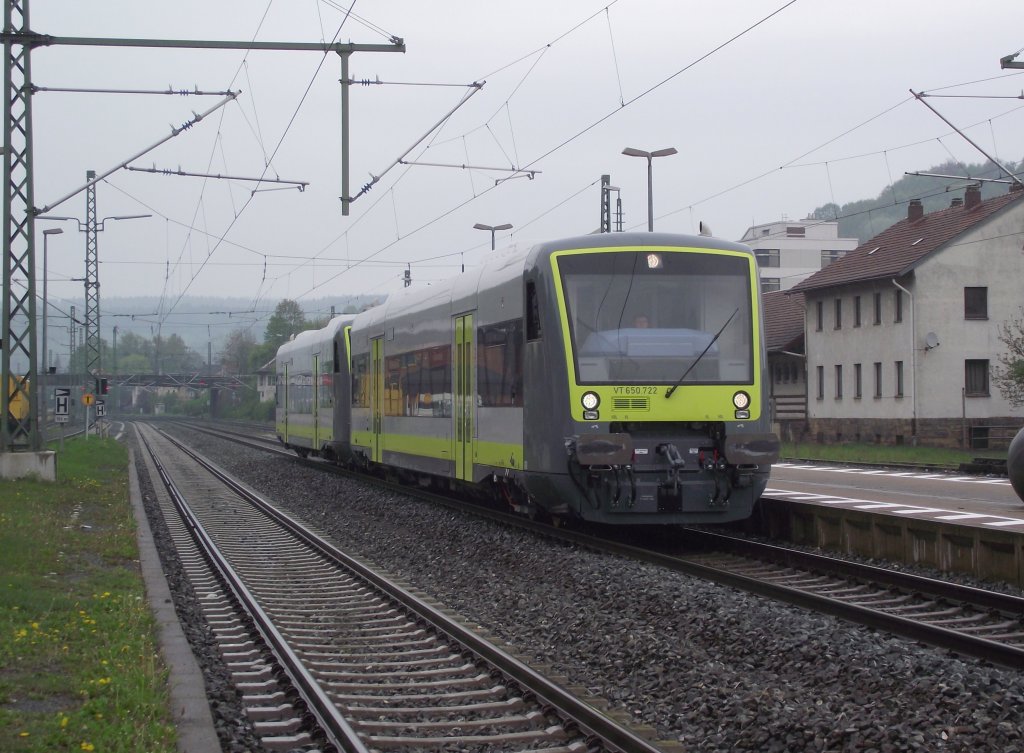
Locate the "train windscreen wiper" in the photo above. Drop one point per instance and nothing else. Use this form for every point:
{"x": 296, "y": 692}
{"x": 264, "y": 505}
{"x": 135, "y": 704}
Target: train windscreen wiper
{"x": 674, "y": 387}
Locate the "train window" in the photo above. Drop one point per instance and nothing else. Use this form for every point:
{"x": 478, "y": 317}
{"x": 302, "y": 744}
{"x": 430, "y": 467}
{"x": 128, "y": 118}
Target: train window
{"x": 697, "y": 308}
{"x": 418, "y": 383}
{"x": 533, "y": 326}
{"x": 361, "y": 380}
{"x": 499, "y": 366}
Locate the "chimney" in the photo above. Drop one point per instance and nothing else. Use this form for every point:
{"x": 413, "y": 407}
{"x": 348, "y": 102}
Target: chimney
{"x": 956, "y": 202}
{"x": 915, "y": 210}
{"x": 972, "y": 196}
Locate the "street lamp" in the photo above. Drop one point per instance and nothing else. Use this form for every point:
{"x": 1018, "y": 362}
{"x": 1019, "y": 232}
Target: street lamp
{"x": 631, "y": 152}
{"x": 493, "y": 229}
{"x": 82, "y": 226}
{"x": 46, "y": 301}
{"x": 92, "y": 284}
{"x": 45, "y": 360}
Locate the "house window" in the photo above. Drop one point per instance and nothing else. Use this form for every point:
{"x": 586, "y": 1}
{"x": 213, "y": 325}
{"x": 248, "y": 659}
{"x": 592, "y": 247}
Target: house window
{"x": 821, "y": 382}
{"x": 796, "y": 231}
{"x": 898, "y": 303}
{"x": 839, "y": 381}
{"x": 899, "y": 379}
{"x": 976, "y": 377}
{"x": 856, "y": 311}
{"x": 820, "y": 311}
{"x": 975, "y": 303}
{"x": 770, "y": 284}
{"x": 857, "y": 383}
{"x": 767, "y": 257}
{"x": 878, "y": 308}
{"x": 827, "y": 257}
{"x": 839, "y": 313}
{"x": 878, "y": 378}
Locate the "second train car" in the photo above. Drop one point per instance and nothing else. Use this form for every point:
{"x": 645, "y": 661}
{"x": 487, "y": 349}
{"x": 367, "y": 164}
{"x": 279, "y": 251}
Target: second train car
{"x": 616, "y": 378}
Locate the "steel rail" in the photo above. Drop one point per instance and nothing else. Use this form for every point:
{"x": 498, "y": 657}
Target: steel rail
{"x": 590, "y": 720}
{"x": 334, "y": 726}
{"x": 982, "y": 648}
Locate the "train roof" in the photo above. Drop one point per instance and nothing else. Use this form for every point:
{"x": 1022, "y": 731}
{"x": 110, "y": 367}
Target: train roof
{"x": 512, "y": 261}
{"x": 311, "y": 339}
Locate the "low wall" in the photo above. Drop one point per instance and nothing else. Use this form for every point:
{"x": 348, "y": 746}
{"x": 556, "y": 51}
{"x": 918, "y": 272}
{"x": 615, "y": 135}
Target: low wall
{"x": 984, "y": 553}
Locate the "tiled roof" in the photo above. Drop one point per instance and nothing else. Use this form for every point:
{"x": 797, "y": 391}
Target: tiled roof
{"x": 784, "y": 321}
{"x": 896, "y": 251}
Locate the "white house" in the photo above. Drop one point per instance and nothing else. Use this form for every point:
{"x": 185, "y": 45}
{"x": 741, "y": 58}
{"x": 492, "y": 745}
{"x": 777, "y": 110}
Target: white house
{"x": 791, "y": 250}
{"x": 787, "y": 375}
{"x": 266, "y": 380}
{"x": 902, "y": 332}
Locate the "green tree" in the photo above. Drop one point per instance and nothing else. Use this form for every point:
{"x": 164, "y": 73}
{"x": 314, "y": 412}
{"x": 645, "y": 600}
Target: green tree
{"x": 130, "y": 344}
{"x": 288, "y": 319}
{"x": 866, "y": 218}
{"x": 237, "y": 355}
{"x": 1009, "y": 374}
{"x": 136, "y": 363}
{"x": 173, "y": 356}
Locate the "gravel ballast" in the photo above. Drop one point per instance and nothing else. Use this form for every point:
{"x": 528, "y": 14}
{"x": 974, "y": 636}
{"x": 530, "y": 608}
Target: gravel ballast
{"x": 708, "y": 666}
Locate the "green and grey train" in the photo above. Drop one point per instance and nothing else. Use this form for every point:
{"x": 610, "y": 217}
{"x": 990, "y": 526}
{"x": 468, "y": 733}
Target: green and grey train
{"x": 616, "y": 378}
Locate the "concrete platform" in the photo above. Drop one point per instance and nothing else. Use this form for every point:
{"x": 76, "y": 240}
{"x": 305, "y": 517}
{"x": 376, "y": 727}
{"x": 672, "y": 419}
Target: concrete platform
{"x": 192, "y": 717}
{"x": 28, "y": 464}
{"x": 946, "y": 521}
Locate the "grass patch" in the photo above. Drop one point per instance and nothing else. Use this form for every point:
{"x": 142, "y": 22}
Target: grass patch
{"x": 79, "y": 668}
{"x": 876, "y": 453}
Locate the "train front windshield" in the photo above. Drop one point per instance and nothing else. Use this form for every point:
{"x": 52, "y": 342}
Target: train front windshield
{"x": 651, "y": 317}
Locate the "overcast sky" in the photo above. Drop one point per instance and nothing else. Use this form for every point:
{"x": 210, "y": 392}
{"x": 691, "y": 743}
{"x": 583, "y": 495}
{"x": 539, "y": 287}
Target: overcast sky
{"x": 809, "y": 102}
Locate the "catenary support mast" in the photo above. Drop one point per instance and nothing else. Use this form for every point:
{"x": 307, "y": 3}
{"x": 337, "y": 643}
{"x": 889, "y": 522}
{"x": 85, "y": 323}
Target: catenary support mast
{"x": 18, "y": 347}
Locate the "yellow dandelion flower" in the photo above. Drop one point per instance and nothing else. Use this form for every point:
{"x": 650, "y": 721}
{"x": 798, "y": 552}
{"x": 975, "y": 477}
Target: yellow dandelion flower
{"x": 64, "y": 722}
{"x": 24, "y": 734}
{"x": 87, "y": 746}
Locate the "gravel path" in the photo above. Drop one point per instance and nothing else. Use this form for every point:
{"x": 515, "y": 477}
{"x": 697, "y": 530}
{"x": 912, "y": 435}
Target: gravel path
{"x": 712, "y": 668}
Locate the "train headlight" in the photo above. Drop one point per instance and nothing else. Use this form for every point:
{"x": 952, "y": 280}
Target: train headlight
{"x": 741, "y": 400}
{"x": 590, "y": 400}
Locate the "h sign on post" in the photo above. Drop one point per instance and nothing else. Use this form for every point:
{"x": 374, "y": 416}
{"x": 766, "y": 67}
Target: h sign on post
{"x": 101, "y": 408}
{"x": 62, "y": 405}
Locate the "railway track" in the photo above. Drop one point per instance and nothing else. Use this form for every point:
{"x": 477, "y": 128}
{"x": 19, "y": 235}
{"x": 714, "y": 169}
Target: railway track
{"x": 328, "y": 652}
{"x": 971, "y": 621}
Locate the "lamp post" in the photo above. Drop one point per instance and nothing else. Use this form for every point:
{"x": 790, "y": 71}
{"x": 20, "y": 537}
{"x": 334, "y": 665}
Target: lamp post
{"x": 116, "y": 404}
{"x": 43, "y": 362}
{"x": 493, "y": 229}
{"x": 91, "y": 227}
{"x": 631, "y": 152}
{"x": 46, "y": 301}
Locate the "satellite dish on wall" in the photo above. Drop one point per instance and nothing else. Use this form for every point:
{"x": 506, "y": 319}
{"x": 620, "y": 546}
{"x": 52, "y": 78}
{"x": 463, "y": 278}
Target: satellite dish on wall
{"x": 931, "y": 340}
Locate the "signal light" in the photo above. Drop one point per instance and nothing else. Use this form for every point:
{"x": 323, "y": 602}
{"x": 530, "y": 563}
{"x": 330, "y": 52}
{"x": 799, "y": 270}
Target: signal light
{"x": 102, "y": 387}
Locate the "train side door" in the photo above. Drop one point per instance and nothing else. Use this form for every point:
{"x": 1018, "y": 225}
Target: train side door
{"x": 285, "y": 406}
{"x": 315, "y": 408}
{"x": 377, "y": 395}
{"x": 464, "y": 397}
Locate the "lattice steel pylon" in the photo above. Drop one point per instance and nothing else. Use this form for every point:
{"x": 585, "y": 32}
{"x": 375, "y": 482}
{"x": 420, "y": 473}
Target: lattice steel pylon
{"x": 92, "y": 281}
{"x": 19, "y": 429}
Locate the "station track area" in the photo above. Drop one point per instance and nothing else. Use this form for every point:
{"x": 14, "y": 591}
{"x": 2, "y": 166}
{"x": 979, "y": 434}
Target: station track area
{"x": 377, "y": 667}
{"x": 969, "y": 620}
{"x": 710, "y": 667}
